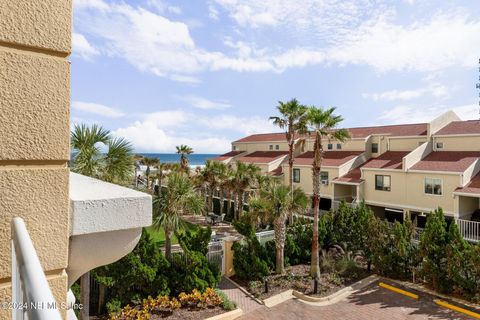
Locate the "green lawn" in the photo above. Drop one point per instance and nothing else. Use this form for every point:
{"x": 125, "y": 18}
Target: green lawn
{"x": 159, "y": 235}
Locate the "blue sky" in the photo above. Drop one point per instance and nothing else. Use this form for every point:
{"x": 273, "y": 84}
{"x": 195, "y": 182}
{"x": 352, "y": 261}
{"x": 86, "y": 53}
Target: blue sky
{"x": 204, "y": 73}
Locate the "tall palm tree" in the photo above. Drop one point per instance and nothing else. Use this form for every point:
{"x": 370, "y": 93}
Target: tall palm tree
{"x": 293, "y": 120}
{"x": 323, "y": 125}
{"x": 116, "y": 165}
{"x": 184, "y": 151}
{"x": 178, "y": 199}
{"x": 227, "y": 187}
{"x": 245, "y": 175}
{"x": 212, "y": 175}
{"x": 162, "y": 167}
{"x": 275, "y": 202}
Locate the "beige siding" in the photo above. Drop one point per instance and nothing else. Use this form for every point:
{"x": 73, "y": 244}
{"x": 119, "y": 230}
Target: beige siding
{"x": 405, "y": 144}
{"x": 34, "y": 97}
{"x": 306, "y": 183}
{"x": 466, "y": 143}
{"x": 260, "y": 146}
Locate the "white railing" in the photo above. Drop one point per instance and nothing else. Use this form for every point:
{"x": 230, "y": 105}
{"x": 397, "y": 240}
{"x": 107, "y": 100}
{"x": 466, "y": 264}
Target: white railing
{"x": 31, "y": 295}
{"x": 265, "y": 236}
{"x": 470, "y": 230}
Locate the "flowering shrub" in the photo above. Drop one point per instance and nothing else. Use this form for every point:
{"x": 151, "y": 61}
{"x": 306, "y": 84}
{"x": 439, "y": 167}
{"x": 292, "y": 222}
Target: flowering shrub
{"x": 163, "y": 304}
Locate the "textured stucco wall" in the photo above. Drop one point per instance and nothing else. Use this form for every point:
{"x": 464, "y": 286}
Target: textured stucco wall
{"x": 35, "y": 41}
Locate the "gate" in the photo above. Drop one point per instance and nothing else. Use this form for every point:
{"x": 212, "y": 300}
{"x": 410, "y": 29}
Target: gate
{"x": 215, "y": 254}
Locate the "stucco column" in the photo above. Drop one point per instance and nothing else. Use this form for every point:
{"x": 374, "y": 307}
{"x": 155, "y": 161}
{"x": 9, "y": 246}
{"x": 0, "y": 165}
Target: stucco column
{"x": 35, "y": 41}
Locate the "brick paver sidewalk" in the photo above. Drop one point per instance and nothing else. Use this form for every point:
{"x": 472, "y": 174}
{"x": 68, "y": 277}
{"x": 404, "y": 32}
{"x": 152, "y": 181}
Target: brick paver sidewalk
{"x": 243, "y": 301}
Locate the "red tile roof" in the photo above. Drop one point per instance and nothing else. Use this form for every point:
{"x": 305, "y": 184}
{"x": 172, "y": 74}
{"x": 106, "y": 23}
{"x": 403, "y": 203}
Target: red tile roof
{"x": 418, "y": 129}
{"x": 227, "y": 155}
{"x": 472, "y": 187}
{"x": 448, "y": 161}
{"x": 330, "y": 158}
{"x": 387, "y": 160}
{"x": 262, "y": 156}
{"x": 461, "y": 127}
{"x": 353, "y": 176}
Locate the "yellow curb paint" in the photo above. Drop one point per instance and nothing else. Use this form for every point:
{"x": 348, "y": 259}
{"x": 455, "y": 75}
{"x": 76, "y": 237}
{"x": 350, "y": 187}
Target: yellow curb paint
{"x": 458, "y": 309}
{"x": 397, "y": 290}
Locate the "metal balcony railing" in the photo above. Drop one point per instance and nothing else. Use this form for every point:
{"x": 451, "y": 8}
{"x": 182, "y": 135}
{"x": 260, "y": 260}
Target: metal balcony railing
{"x": 32, "y": 298}
{"x": 470, "y": 230}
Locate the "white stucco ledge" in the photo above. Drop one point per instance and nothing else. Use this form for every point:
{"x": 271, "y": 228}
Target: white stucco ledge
{"x": 98, "y": 206}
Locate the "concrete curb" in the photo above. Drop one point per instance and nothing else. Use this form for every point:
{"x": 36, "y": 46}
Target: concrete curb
{"x": 336, "y": 296}
{"x": 245, "y": 291}
{"x": 278, "y": 298}
{"x": 234, "y": 314}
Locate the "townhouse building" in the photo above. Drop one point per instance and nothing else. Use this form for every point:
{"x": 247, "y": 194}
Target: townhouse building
{"x": 400, "y": 171}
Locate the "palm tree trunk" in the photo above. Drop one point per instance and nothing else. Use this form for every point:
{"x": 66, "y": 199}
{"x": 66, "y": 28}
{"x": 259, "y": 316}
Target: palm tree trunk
{"x": 229, "y": 202}
{"x": 210, "y": 199}
{"x": 290, "y": 174}
{"x": 240, "y": 203}
{"x": 101, "y": 297}
{"x": 317, "y": 162}
{"x": 85, "y": 296}
{"x": 279, "y": 228}
{"x": 168, "y": 243}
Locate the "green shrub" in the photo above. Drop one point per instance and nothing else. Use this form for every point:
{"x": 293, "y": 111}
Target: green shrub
{"x": 114, "y": 306}
{"x": 228, "y": 304}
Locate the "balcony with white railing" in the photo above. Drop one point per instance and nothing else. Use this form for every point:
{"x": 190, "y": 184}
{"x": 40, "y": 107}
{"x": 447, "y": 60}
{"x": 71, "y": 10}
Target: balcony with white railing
{"x": 470, "y": 230}
{"x": 32, "y": 297}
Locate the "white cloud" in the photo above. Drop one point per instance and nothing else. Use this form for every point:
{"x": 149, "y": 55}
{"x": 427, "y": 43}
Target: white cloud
{"x": 97, "y": 108}
{"x": 244, "y": 125}
{"x": 436, "y": 90}
{"x": 203, "y": 103}
{"x": 417, "y": 114}
{"x": 162, "y": 131}
{"x": 212, "y": 12}
{"x": 82, "y": 47}
{"x": 162, "y": 6}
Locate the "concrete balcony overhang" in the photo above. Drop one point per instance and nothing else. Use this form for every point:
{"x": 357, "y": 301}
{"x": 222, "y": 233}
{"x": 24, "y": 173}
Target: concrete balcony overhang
{"x": 106, "y": 223}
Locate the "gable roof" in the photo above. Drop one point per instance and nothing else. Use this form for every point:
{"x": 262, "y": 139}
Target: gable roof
{"x": 447, "y": 161}
{"x": 227, "y": 155}
{"x": 472, "y": 187}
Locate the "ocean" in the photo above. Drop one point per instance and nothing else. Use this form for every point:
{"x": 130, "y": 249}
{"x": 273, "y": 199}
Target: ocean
{"x": 194, "y": 159}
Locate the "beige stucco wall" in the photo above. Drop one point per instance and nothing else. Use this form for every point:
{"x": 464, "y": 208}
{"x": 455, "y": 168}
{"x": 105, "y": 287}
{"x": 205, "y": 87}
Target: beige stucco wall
{"x": 382, "y": 145}
{"x": 306, "y": 184}
{"x": 260, "y": 146}
{"x": 35, "y": 42}
{"x": 407, "y": 190}
{"x": 405, "y": 144}
{"x": 459, "y": 143}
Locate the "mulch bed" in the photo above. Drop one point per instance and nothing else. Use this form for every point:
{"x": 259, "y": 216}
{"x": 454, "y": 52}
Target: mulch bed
{"x": 298, "y": 278}
{"x": 180, "y": 314}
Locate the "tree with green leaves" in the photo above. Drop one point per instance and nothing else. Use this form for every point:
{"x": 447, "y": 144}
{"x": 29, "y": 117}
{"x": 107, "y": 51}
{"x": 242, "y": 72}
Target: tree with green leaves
{"x": 184, "y": 151}
{"x": 322, "y": 124}
{"x": 149, "y": 163}
{"x": 212, "y": 176}
{"x": 244, "y": 179}
{"x": 433, "y": 243}
{"x": 276, "y": 202}
{"x": 293, "y": 120}
{"x": 179, "y": 198}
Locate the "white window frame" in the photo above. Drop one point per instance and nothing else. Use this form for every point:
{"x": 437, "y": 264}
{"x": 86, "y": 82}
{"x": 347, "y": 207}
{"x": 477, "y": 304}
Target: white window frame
{"x": 374, "y": 143}
{"x": 234, "y": 148}
{"x": 437, "y": 147}
{"x": 339, "y": 146}
{"x": 328, "y": 177}
{"x": 433, "y": 187}
{"x": 277, "y": 147}
{"x": 330, "y": 146}
{"x": 383, "y": 183}
{"x": 270, "y": 147}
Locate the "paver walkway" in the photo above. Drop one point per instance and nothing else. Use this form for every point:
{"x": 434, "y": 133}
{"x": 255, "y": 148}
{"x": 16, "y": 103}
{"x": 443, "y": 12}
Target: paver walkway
{"x": 371, "y": 302}
{"x": 243, "y": 301}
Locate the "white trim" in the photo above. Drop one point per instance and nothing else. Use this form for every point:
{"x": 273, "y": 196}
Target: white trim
{"x": 408, "y": 137}
{"x": 381, "y": 169}
{"x": 348, "y": 183}
{"x": 433, "y": 194}
{"x": 465, "y": 194}
{"x": 457, "y": 135}
{"x": 436, "y": 172}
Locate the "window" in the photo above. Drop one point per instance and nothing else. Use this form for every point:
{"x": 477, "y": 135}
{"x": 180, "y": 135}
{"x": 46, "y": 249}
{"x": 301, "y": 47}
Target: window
{"x": 339, "y": 146}
{"x": 439, "y": 145}
{"x": 374, "y": 147}
{"x": 324, "y": 177}
{"x": 277, "y": 147}
{"x": 433, "y": 186}
{"x": 382, "y": 183}
{"x": 234, "y": 148}
{"x": 296, "y": 175}
{"x": 270, "y": 147}
{"x": 330, "y": 146}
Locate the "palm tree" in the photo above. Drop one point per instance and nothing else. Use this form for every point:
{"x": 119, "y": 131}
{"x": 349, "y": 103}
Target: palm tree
{"x": 178, "y": 199}
{"x": 276, "y": 202}
{"x": 245, "y": 175}
{"x": 322, "y": 124}
{"x": 227, "y": 186}
{"x": 184, "y": 151}
{"x": 212, "y": 175}
{"x": 116, "y": 166}
{"x": 293, "y": 120}
{"x": 149, "y": 162}
{"x": 162, "y": 167}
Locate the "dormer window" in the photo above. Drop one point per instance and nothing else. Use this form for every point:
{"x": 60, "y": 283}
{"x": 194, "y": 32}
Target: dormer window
{"x": 330, "y": 146}
{"x": 339, "y": 146}
{"x": 439, "y": 145}
{"x": 277, "y": 147}
{"x": 234, "y": 148}
{"x": 270, "y": 147}
{"x": 374, "y": 147}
